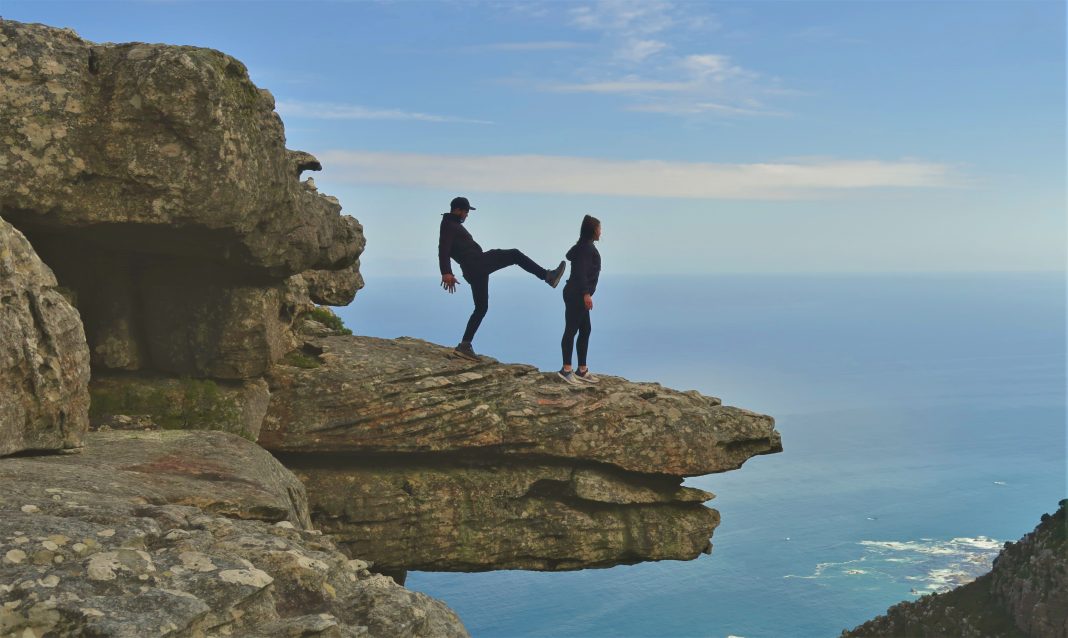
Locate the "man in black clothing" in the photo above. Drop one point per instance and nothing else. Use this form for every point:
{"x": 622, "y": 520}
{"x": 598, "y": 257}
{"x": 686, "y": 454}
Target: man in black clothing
{"x": 456, "y": 243}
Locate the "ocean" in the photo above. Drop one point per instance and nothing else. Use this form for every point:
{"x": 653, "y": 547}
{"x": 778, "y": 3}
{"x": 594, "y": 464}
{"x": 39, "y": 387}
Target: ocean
{"x": 923, "y": 425}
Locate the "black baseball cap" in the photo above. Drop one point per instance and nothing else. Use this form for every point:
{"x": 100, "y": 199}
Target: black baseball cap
{"x": 460, "y": 202}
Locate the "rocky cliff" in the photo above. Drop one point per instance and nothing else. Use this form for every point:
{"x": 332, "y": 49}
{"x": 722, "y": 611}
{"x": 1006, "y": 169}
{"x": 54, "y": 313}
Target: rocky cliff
{"x": 419, "y": 460}
{"x": 160, "y": 265}
{"x": 1025, "y": 594}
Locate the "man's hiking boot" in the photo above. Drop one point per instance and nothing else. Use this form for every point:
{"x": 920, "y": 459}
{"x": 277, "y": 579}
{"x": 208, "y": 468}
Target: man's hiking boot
{"x": 568, "y": 376}
{"x": 555, "y": 275}
{"x": 466, "y": 351}
{"x": 586, "y": 377}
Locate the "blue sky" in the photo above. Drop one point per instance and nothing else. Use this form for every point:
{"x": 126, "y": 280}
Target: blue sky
{"x": 799, "y": 136}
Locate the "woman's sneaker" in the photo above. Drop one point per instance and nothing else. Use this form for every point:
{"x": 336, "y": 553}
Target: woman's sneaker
{"x": 586, "y": 377}
{"x": 567, "y": 375}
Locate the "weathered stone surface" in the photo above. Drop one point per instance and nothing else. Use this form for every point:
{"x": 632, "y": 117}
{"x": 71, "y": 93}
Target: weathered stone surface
{"x": 181, "y": 404}
{"x": 409, "y": 396}
{"x": 1024, "y": 594}
{"x": 44, "y": 360}
{"x": 217, "y": 472}
{"x": 334, "y": 287}
{"x": 418, "y": 460}
{"x": 467, "y": 516}
{"x": 144, "y": 549}
{"x": 168, "y": 148}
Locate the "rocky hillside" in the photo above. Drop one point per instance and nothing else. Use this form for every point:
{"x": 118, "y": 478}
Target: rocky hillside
{"x": 1025, "y": 594}
{"x": 161, "y": 266}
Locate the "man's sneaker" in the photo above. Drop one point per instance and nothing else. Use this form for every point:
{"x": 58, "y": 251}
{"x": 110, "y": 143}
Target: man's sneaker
{"x": 567, "y": 375}
{"x": 466, "y": 351}
{"x": 554, "y": 276}
{"x": 586, "y": 376}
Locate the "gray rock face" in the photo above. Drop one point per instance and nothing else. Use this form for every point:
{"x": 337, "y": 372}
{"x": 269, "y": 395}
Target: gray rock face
{"x": 44, "y": 360}
{"x": 1024, "y": 595}
{"x": 417, "y": 460}
{"x": 183, "y": 534}
{"x": 162, "y": 172}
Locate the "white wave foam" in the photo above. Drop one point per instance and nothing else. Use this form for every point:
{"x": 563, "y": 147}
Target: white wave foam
{"x": 932, "y": 565}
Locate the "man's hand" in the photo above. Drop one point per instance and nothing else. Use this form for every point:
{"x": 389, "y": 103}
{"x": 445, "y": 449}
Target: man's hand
{"x": 448, "y": 282}
{"x": 588, "y": 299}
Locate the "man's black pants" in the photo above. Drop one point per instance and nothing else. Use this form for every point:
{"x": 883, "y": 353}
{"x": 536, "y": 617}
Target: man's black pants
{"x": 477, "y": 275}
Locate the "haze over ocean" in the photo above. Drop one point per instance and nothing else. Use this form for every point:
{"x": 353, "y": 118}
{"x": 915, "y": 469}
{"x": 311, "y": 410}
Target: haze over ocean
{"x": 922, "y": 420}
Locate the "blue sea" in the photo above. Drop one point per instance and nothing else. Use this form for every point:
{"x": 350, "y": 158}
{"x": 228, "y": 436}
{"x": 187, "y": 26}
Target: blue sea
{"x": 922, "y": 416}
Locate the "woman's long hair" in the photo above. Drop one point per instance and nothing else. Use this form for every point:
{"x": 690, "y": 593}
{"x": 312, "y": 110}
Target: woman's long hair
{"x": 588, "y": 228}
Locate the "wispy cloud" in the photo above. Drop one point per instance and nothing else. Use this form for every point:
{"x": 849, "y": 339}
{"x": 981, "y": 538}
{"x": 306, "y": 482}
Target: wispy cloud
{"x": 801, "y": 179}
{"x": 630, "y": 85}
{"x": 336, "y": 111}
{"x": 697, "y": 108}
{"x": 629, "y": 17}
{"x": 646, "y": 55}
{"x": 548, "y": 45}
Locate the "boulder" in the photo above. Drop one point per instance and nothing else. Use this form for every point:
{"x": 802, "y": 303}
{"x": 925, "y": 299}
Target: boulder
{"x": 183, "y": 534}
{"x": 216, "y": 472}
{"x": 44, "y": 359}
{"x": 164, "y": 149}
{"x": 155, "y": 182}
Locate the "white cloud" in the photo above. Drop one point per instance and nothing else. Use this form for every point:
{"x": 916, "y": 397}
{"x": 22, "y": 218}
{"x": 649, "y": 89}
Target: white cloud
{"x": 638, "y": 50}
{"x": 697, "y": 108}
{"x": 631, "y": 178}
{"x": 623, "y": 86}
{"x": 548, "y": 45}
{"x": 335, "y": 111}
{"x": 646, "y": 55}
{"x": 625, "y": 16}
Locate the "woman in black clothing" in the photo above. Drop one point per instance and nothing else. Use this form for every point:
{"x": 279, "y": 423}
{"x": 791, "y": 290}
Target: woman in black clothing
{"x": 578, "y": 300}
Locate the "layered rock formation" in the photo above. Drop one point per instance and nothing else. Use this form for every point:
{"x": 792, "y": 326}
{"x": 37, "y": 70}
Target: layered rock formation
{"x": 44, "y": 362}
{"x": 1025, "y": 594}
{"x": 183, "y": 534}
{"x": 154, "y": 180}
{"x": 419, "y": 460}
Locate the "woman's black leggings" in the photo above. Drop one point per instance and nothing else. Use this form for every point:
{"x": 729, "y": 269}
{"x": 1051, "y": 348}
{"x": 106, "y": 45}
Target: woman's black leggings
{"x": 576, "y": 320}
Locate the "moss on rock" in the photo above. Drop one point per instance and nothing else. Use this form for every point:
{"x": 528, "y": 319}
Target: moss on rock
{"x": 181, "y": 404}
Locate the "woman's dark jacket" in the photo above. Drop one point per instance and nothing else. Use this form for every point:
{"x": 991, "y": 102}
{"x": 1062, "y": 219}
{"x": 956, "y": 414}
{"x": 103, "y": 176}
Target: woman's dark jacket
{"x": 585, "y": 269}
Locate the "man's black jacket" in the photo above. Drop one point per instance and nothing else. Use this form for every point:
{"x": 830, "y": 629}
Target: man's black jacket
{"x": 456, "y": 243}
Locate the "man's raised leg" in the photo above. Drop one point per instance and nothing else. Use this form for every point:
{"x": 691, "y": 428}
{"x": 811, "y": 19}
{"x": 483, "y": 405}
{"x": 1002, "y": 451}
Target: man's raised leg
{"x": 497, "y": 258}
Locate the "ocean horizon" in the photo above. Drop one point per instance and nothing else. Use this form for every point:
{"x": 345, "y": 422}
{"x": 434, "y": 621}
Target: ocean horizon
{"x": 922, "y": 418}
